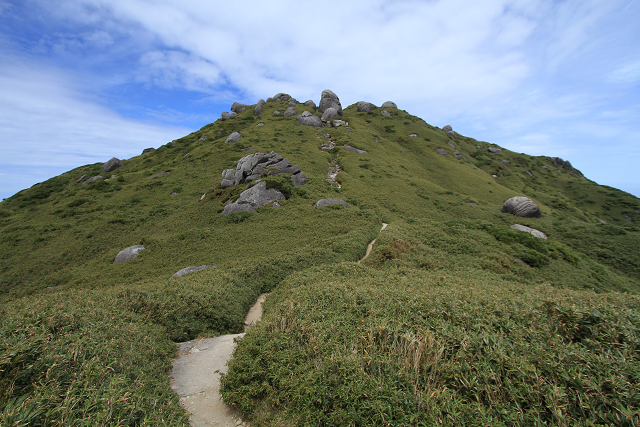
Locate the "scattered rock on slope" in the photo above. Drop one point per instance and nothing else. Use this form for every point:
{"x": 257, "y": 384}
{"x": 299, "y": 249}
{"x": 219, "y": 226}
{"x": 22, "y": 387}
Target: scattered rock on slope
{"x": 257, "y": 110}
{"x": 225, "y": 115}
{"x": 188, "y": 270}
{"x": 258, "y": 195}
{"x": 234, "y": 137}
{"x": 308, "y": 119}
{"x": 112, "y": 165}
{"x": 128, "y": 253}
{"x": 147, "y": 150}
{"x": 238, "y": 108}
{"x": 385, "y": 113}
{"x": 363, "y": 107}
{"x": 311, "y": 104}
{"x": 290, "y": 111}
{"x": 389, "y": 104}
{"x": 327, "y": 202}
{"x": 281, "y": 97}
{"x": 442, "y": 151}
{"x": 329, "y": 114}
{"x": 522, "y": 206}
{"x": 330, "y": 100}
{"x": 252, "y": 167}
{"x": 532, "y": 231}
{"x": 494, "y": 150}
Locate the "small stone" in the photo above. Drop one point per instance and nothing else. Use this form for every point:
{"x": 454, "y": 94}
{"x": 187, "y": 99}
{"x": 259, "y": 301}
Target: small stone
{"x": 203, "y": 138}
{"x": 311, "y": 104}
{"x": 447, "y": 128}
{"x": 521, "y": 206}
{"x": 627, "y": 217}
{"x": 80, "y": 179}
{"x": 354, "y": 149}
{"x": 329, "y": 114}
{"x": 188, "y": 270}
{"x": 238, "y": 108}
{"x": 290, "y": 111}
{"x": 457, "y": 155}
{"x": 203, "y": 196}
{"x": 276, "y": 113}
{"x": 259, "y": 124}
{"x": 504, "y": 162}
{"x": 412, "y": 135}
{"x": 93, "y": 178}
{"x": 147, "y": 150}
{"x": 234, "y": 137}
{"x": 327, "y": 202}
{"x": 385, "y": 113}
{"x": 451, "y": 144}
{"x": 442, "y": 151}
{"x": 532, "y": 231}
{"x": 602, "y": 221}
{"x": 174, "y": 194}
{"x": 363, "y": 107}
{"x": 529, "y": 173}
{"x": 224, "y": 115}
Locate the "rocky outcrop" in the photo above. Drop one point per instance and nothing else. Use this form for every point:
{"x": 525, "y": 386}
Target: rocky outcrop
{"x": 188, "y": 270}
{"x": 292, "y": 101}
{"x": 327, "y": 202}
{"x": 234, "y": 137}
{"x": 522, "y": 206}
{"x": 281, "y": 97}
{"x": 329, "y": 113}
{"x": 308, "y": 119}
{"x": 385, "y": 113}
{"x": 504, "y": 162}
{"x": 355, "y": 150}
{"x": 238, "y": 108}
{"x": 329, "y": 99}
{"x": 112, "y": 164}
{"x": 93, "y": 178}
{"x": 363, "y": 107}
{"x": 558, "y": 162}
{"x": 290, "y": 111}
{"x": 257, "y": 110}
{"x": 532, "y": 231}
{"x": 256, "y": 196}
{"x": 276, "y": 113}
{"x": 389, "y": 104}
{"x": 252, "y": 167}
{"x": 447, "y": 128}
{"x": 311, "y": 104}
{"x": 128, "y": 253}
{"x": 442, "y": 151}
{"x": 147, "y": 150}
{"x": 494, "y": 150}
{"x": 225, "y": 115}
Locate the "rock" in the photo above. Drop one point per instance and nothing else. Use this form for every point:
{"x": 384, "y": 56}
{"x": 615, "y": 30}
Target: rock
{"x": 269, "y": 100}
{"x": 290, "y": 111}
{"x": 529, "y": 173}
{"x": 337, "y": 123}
{"x": 558, "y": 162}
{"x": 442, "y": 151}
{"x": 174, "y": 194}
{"x": 329, "y": 114}
{"x": 233, "y": 114}
{"x": 281, "y": 97}
{"x": 329, "y": 99}
{"x": 248, "y": 148}
{"x": 385, "y": 113}
{"x": 203, "y": 138}
{"x": 112, "y": 164}
{"x": 447, "y": 128}
{"x": 308, "y": 119}
{"x": 157, "y": 175}
{"x": 545, "y": 168}
{"x": 257, "y": 110}
{"x": 276, "y": 113}
{"x": 494, "y": 150}
{"x": 532, "y": 231}
{"x": 252, "y": 166}
{"x": 93, "y": 178}
{"x": 128, "y": 253}
{"x": 225, "y": 115}
{"x": 234, "y": 137}
{"x": 202, "y": 197}
{"x": 504, "y": 162}
{"x": 457, "y": 155}
{"x": 147, "y": 150}
{"x": 451, "y": 134}
{"x": 259, "y": 124}
{"x": 293, "y": 102}
{"x": 412, "y": 135}
{"x": 258, "y": 195}
{"x": 389, "y": 104}
{"x": 363, "y": 107}
{"x": 238, "y": 108}
{"x": 354, "y": 149}
{"x": 276, "y": 205}
{"x": 627, "y": 217}
{"x": 235, "y": 208}
{"x": 299, "y": 179}
{"x": 188, "y": 270}
{"x": 80, "y": 179}
{"x": 291, "y": 170}
{"x": 451, "y": 144}
{"x": 311, "y": 104}
{"x": 522, "y": 206}
{"x": 327, "y": 202}
{"x": 602, "y": 221}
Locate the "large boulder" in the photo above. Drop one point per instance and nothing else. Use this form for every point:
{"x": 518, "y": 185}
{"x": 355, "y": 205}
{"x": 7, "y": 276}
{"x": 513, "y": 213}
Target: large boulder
{"x": 290, "y": 111}
{"x": 329, "y": 99}
{"x": 112, "y": 165}
{"x": 234, "y": 137}
{"x": 532, "y": 231}
{"x": 389, "y": 104}
{"x": 494, "y": 150}
{"x": 327, "y": 202}
{"x": 329, "y": 114}
{"x": 238, "y": 108}
{"x": 447, "y": 128}
{"x": 128, "y": 253}
{"x": 257, "y": 110}
{"x": 188, "y": 270}
{"x": 308, "y": 119}
{"x": 281, "y": 97}
{"x": 363, "y": 107}
{"x": 385, "y": 113}
{"x": 522, "y": 206}
{"x": 252, "y": 166}
{"x": 225, "y": 115}
{"x": 292, "y": 101}
{"x": 311, "y": 104}
{"x": 258, "y": 195}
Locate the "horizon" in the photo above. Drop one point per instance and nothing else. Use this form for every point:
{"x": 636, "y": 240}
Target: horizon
{"x": 84, "y": 81}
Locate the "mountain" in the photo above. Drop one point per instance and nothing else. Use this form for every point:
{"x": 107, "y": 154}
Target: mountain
{"x": 454, "y": 318}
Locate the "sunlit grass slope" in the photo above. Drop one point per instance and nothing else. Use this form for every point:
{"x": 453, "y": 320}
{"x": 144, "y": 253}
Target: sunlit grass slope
{"x": 455, "y": 318}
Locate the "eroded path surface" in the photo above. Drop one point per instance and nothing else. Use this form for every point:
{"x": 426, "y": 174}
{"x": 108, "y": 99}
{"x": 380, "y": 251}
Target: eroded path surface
{"x": 370, "y": 246}
{"x": 196, "y": 376}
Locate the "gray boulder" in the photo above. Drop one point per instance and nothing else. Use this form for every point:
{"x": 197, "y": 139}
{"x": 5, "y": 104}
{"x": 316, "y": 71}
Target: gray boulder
{"x": 532, "y": 231}
{"x": 147, "y": 150}
{"x": 308, "y": 119}
{"x": 225, "y": 115}
{"x": 363, "y": 107}
{"x": 233, "y": 114}
{"x": 128, "y": 253}
{"x": 447, "y": 128}
{"x": 558, "y": 162}
{"x": 327, "y": 202}
{"x": 299, "y": 179}
{"x": 93, "y": 178}
{"x": 234, "y": 137}
{"x": 504, "y": 162}
{"x": 292, "y": 101}
{"x": 276, "y": 113}
{"x": 290, "y": 111}
{"x": 238, "y": 108}
{"x": 252, "y": 166}
{"x": 385, "y": 113}
{"x": 389, "y": 104}
{"x": 442, "y": 151}
{"x": 522, "y": 206}
{"x": 80, "y": 179}
{"x": 258, "y": 195}
{"x": 311, "y": 104}
{"x": 329, "y": 114}
{"x": 457, "y": 155}
{"x": 451, "y": 144}
{"x": 328, "y": 99}
{"x": 627, "y": 217}
{"x": 451, "y": 134}
{"x": 259, "y": 124}
{"x": 281, "y": 97}
{"x": 112, "y": 164}
{"x": 257, "y": 110}
{"x": 188, "y": 270}
{"x": 494, "y": 150}
{"x": 354, "y": 149}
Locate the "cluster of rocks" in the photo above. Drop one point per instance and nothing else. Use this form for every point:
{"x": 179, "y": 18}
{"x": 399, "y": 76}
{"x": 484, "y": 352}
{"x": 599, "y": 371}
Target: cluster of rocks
{"x": 558, "y": 162}
{"x": 522, "y": 206}
{"x": 252, "y": 167}
{"x": 449, "y": 131}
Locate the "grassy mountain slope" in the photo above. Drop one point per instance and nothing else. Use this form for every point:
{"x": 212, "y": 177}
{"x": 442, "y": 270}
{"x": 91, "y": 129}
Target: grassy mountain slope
{"x": 453, "y": 309}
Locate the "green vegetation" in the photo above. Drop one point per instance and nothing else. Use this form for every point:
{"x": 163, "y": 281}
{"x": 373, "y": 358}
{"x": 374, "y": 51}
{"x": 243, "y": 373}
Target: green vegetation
{"x": 454, "y": 319}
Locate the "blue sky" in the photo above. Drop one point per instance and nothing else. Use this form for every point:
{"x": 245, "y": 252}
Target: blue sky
{"x": 82, "y": 81}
